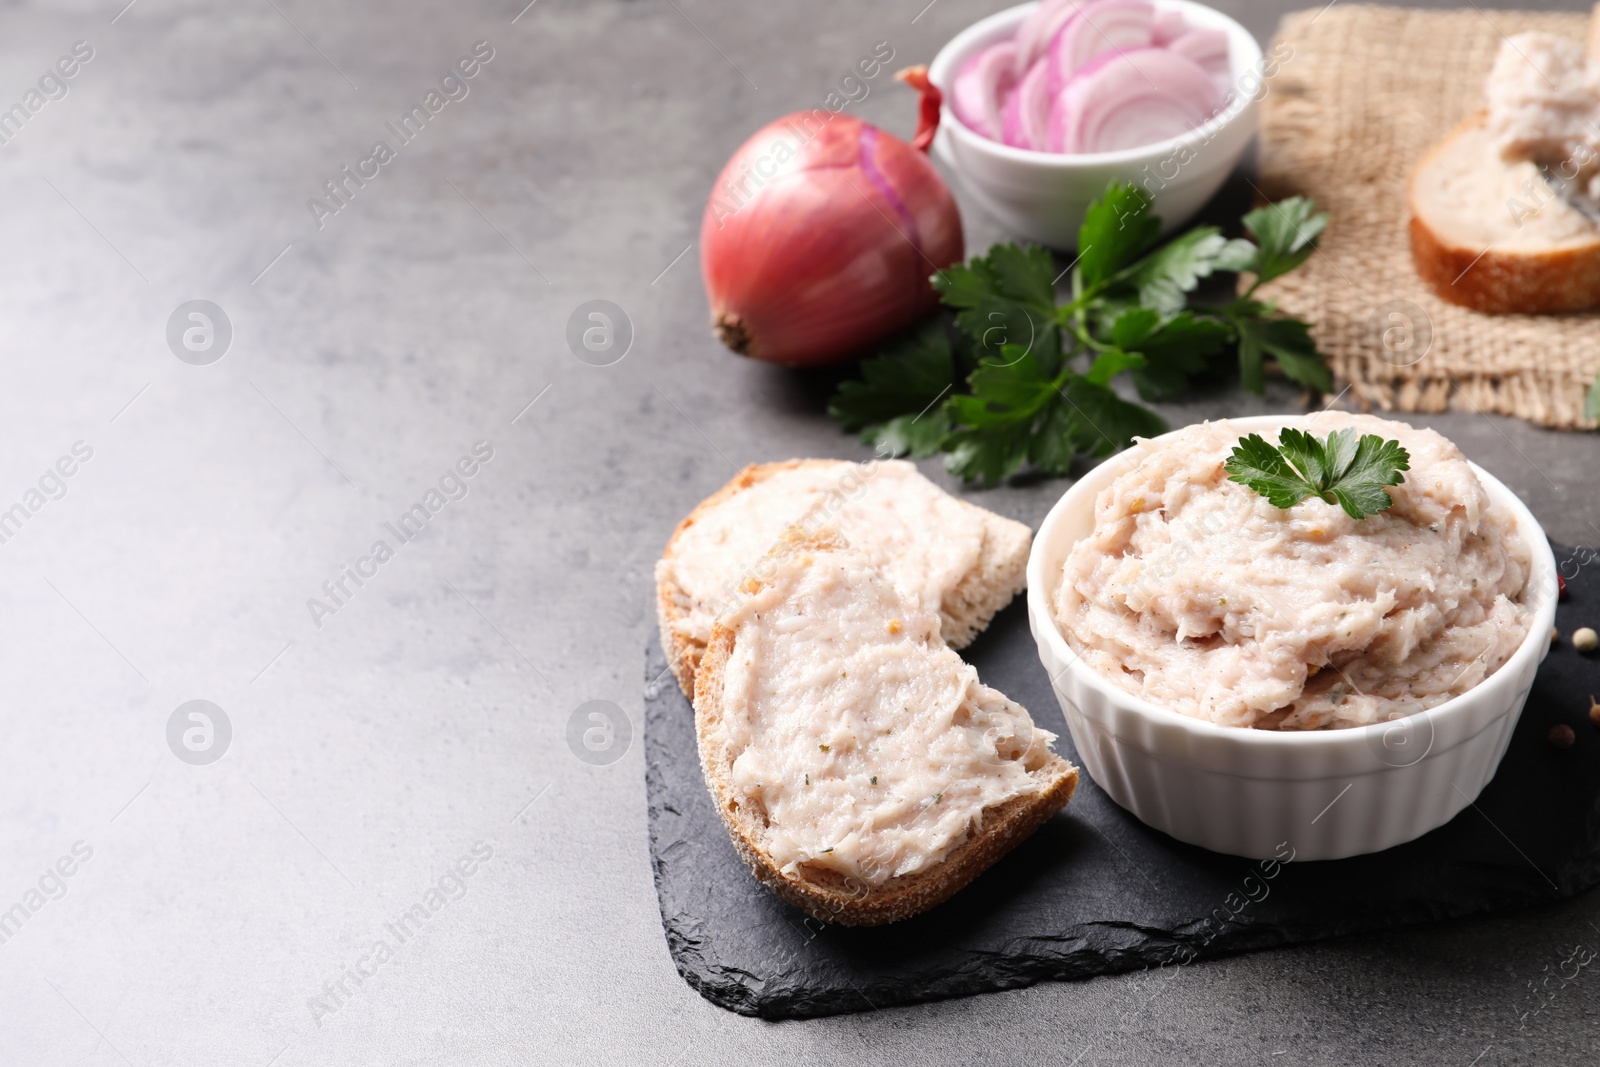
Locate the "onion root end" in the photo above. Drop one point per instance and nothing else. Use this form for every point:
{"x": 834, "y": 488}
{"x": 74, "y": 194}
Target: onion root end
{"x": 731, "y": 331}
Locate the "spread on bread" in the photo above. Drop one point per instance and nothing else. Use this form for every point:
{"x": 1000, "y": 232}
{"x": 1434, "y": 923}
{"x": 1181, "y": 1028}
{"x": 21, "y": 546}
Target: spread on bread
{"x": 811, "y": 610}
{"x": 1544, "y": 107}
{"x": 947, "y": 556}
{"x": 863, "y": 771}
{"x": 1488, "y": 232}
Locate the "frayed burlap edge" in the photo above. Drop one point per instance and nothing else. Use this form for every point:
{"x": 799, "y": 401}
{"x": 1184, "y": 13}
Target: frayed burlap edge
{"x": 1359, "y": 94}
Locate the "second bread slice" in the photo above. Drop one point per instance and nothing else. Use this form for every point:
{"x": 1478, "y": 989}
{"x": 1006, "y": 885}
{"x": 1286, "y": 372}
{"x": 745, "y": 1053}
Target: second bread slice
{"x": 953, "y": 557}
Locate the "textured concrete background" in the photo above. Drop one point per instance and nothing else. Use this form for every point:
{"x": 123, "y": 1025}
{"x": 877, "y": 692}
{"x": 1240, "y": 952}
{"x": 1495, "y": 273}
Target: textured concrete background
{"x": 219, "y": 905}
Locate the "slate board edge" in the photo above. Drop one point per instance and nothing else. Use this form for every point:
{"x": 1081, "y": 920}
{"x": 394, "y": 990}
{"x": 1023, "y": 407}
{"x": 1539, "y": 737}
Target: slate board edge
{"x": 729, "y": 994}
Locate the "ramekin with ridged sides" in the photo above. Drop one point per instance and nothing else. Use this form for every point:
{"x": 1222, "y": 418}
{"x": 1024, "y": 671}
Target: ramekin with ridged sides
{"x": 1327, "y": 794}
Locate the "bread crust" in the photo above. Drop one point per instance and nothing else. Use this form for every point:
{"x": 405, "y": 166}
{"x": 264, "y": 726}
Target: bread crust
{"x": 1493, "y": 281}
{"x": 968, "y": 608}
{"x": 828, "y": 895}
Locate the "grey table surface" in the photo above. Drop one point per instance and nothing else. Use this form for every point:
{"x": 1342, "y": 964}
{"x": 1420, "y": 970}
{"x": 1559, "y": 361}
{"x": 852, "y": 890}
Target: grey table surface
{"x": 213, "y": 910}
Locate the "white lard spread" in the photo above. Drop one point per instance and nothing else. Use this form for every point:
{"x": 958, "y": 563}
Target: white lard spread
{"x": 921, "y": 537}
{"x": 1198, "y": 594}
{"x": 873, "y": 749}
{"x": 1544, "y": 106}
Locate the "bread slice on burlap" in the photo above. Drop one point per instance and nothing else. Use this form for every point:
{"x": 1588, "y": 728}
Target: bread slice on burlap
{"x": 1492, "y": 236}
{"x": 862, "y": 770}
{"x": 952, "y": 557}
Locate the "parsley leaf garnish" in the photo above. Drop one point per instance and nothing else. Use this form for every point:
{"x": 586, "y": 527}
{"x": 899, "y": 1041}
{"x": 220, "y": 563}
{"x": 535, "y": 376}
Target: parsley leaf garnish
{"x": 1343, "y": 469}
{"x": 1032, "y": 377}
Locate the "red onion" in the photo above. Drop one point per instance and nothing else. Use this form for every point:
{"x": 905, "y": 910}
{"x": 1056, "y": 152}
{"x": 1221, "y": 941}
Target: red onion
{"x": 1167, "y": 27}
{"x": 1208, "y": 48}
{"x": 981, "y": 86}
{"x": 1039, "y": 29}
{"x": 1026, "y": 120}
{"x": 1128, "y": 99}
{"x": 820, "y": 237}
{"x": 1099, "y": 26}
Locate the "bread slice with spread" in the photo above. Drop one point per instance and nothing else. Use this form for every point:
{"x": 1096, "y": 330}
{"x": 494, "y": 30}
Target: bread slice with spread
{"x": 1488, "y": 231}
{"x": 950, "y": 557}
{"x": 862, "y": 770}
{"x": 1492, "y": 236}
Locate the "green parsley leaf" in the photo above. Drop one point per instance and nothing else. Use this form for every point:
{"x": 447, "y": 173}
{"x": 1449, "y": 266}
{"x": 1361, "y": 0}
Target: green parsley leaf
{"x": 1007, "y": 297}
{"x": 917, "y": 435}
{"x": 1358, "y": 484}
{"x": 1029, "y": 379}
{"x": 1252, "y": 355}
{"x": 1107, "y": 365}
{"x": 1055, "y": 443}
{"x": 1023, "y": 273}
{"x": 1256, "y": 464}
{"x": 1286, "y": 340}
{"x": 1343, "y": 469}
{"x": 912, "y": 375}
{"x": 1116, "y": 229}
{"x": 988, "y": 455}
{"x": 1287, "y": 233}
{"x": 1133, "y": 326}
{"x": 1166, "y": 276}
{"x": 1002, "y": 392}
{"x": 1592, "y": 406}
{"x": 1185, "y": 339}
{"x": 1101, "y": 422}
{"x": 1174, "y": 350}
{"x": 1017, "y": 414}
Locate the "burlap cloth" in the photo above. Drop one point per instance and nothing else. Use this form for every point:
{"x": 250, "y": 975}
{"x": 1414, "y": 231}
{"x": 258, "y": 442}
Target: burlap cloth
{"x": 1364, "y": 92}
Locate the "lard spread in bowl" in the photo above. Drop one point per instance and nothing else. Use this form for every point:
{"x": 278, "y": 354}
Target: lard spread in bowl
{"x": 1218, "y": 722}
{"x": 1197, "y": 594}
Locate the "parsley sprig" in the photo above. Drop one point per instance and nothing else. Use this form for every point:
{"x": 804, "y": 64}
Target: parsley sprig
{"x": 1343, "y": 469}
{"x": 1028, "y": 377}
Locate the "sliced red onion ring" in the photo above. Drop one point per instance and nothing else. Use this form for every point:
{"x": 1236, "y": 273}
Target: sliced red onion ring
{"x": 1039, "y": 28}
{"x": 1100, "y": 26}
{"x": 1208, "y": 48}
{"x": 1131, "y": 99}
{"x": 1026, "y": 121}
{"x": 1167, "y": 27}
{"x": 980, "y": 89}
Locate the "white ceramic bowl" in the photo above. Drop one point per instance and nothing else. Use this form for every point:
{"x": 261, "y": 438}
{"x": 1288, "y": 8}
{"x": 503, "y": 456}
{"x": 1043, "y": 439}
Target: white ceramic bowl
{"x": 1325, "y": 794}
{"x": 1042, "y": 195}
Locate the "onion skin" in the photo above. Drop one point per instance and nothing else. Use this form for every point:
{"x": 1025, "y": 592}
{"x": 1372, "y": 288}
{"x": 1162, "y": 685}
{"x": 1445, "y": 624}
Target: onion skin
{"x": 930, "y": 100}
{"x": 820, "y": 237}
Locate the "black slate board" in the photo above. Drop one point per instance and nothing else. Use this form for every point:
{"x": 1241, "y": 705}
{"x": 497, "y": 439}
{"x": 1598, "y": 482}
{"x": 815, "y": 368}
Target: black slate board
{"x": 1095, "y": 891}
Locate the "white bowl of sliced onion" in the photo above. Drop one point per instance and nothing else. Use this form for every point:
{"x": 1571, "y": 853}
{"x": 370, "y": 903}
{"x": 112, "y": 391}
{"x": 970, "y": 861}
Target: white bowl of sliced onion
{"x": 1047, "y": 103}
